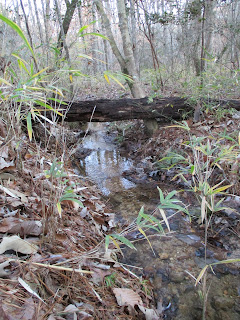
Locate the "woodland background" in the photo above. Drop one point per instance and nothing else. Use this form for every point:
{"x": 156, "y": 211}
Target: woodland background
{"x": 176, "y": 46}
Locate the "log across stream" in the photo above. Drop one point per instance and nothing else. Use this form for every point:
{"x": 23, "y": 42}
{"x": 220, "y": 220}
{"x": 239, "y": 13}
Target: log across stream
{"x": 176, "y": 257}
{"x": 163, "y": 109}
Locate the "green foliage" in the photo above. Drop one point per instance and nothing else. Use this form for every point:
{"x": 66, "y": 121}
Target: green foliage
{"x": 203, "y": 271}
{"x": 62, "y": 190}
{"x": 169, "y": 202}
{"x": 153, "y": 77}
{"x": 117, "y": 77}
{"x": 216, "y": 82}
{"x": 145, "y": 222}
{"x": 29, "y": 91}
{"x": 110, "y": 280}
{"x": 81, "y": 30}
{"x": 56, "y": 170}
{"x": 118, "y": 240}
{"x": 16, "y": 28}
{"x": 203, "y": 155}
{"x": 145, "y": 289}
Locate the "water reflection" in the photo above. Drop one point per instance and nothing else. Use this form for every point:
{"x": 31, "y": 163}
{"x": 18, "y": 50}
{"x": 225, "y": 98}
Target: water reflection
{"x": 105, "y": 165}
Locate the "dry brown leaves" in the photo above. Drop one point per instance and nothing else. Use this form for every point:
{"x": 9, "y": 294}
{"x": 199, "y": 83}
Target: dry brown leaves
{"x": 46, "y": 275}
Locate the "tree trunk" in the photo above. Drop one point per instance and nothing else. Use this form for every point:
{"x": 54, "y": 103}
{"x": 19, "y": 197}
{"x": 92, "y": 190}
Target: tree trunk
{"x": 71, "y": 6}
{"x": 63, "y": 41}
{"x": 46, "y": 14}
{"x": 29, "y": 33}
{"x": 135, "y": 87}
{"x": 38, "y": 23}
{"x": 165, "y": 110}
{"x": 107, "y": 25}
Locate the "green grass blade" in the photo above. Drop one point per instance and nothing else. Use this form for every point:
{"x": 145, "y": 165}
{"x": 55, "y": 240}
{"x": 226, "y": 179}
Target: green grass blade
{"x": 16, "y": 28}
{"x": 123, "y": 240}
{"x": 94, "y": 34}
{"x": 29, "y": 125}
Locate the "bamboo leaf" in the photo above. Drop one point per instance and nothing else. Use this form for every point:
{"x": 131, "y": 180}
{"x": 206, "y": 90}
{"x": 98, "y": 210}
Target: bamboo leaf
{"x": 203, "y": 208}
{"x": 38, "y": 73}
{"x": 29, "y": 125}
{"x": 164, "y": 218}
{"x": 72, "y": 199}
{"x": 161, "y": 195}
{"x": 170, "y": 195}
{"x": 192, "y": 170}
{"x": 181, "y": 126}
{"x": 123, "y": 240}
{"x": 59, "y": 208}
{"x": 22, "y": 65}
{"x": 16, "y": 28}
{"x": 86, "y": 26}
{"x": 82, "y": 55}
{"x": 115, "y": 79}
{"x": 6, "y": 82}
{"x": 58, "y": 100}
{"x": 219, "y": 190}
{"x": 141, "y": 230}
{"x": 201, "y": 274}
{"x": 43, "y": 104}
{"x": 106, "y": 77}
{"x": 116, "y": 244}
{"x": 94, "y": 34}
{"x": 226, "y": 261}
{"x": 139, "y": 217}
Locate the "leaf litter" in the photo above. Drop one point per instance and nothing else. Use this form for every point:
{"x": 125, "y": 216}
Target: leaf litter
{"x": 55, "y": 268}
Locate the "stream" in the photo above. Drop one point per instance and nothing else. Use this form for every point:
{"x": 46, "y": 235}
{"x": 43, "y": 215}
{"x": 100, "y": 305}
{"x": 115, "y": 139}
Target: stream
{"x": 176, "y": 258}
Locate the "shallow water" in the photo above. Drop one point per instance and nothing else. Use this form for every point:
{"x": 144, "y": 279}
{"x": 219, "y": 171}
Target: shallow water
{"x": 175, "y": 259}
{"x": 105, "y": 165}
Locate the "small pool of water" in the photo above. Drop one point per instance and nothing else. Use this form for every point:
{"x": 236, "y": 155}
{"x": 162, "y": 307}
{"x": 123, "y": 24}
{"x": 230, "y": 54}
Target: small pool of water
{"x": 104, "y": 165}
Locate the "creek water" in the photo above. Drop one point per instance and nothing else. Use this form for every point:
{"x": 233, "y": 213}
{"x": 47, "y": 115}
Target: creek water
{"x": 176, "y": 258}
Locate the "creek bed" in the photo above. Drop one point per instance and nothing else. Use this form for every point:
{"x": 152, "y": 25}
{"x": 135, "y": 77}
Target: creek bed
{"x": 175, "y": 259}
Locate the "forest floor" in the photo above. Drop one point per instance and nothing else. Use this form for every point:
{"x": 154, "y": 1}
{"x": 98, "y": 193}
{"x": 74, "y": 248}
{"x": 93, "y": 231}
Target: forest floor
{"x": 53, "y": 262}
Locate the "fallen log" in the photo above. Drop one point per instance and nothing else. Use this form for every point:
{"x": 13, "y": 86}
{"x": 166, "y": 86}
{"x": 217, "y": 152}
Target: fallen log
{"x": 165, "y": 109}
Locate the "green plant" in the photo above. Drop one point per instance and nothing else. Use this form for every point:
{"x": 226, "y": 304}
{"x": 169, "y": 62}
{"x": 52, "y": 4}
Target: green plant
{"x": 145, "y": 288}
{"x": 145, "y": 222}
{"x": 202, "y": 280}
{"x": 61, "y": 191}
{"x": 204, "y": 156}
{"x": 110, "y": 280}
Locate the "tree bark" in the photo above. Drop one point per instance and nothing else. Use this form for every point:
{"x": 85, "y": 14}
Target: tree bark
{"x": 107, "y": 25}
{"x": 66, "y": 23}
{"x": 63, "y": 39}
{"x": 166, "y": 109}
{"x": 135, "y": 87}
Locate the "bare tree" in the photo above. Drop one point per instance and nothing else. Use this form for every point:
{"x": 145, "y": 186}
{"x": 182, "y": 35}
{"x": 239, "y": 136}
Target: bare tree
{"x": 62, "y": 39}
{"x": 126, "y": 62}
{"x": 65, "y": 24}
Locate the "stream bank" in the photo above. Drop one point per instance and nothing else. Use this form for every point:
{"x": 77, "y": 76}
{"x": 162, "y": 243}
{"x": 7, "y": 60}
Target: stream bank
{"x": 176, "y": 258}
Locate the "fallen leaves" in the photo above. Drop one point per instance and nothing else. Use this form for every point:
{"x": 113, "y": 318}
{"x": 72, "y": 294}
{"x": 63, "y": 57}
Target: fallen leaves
{"x": 18, "y": 226}
{"x": 127, "y": 297}
{"x": 14, "y": 312}
{"x": 29, "y": 289}
{"x": 63, "y": 278}
{"x": 17, "y": 244}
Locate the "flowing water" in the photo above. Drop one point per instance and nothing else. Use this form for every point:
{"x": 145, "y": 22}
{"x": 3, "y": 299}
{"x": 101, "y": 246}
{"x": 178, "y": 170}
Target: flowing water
{"x": 175, "y": 258}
